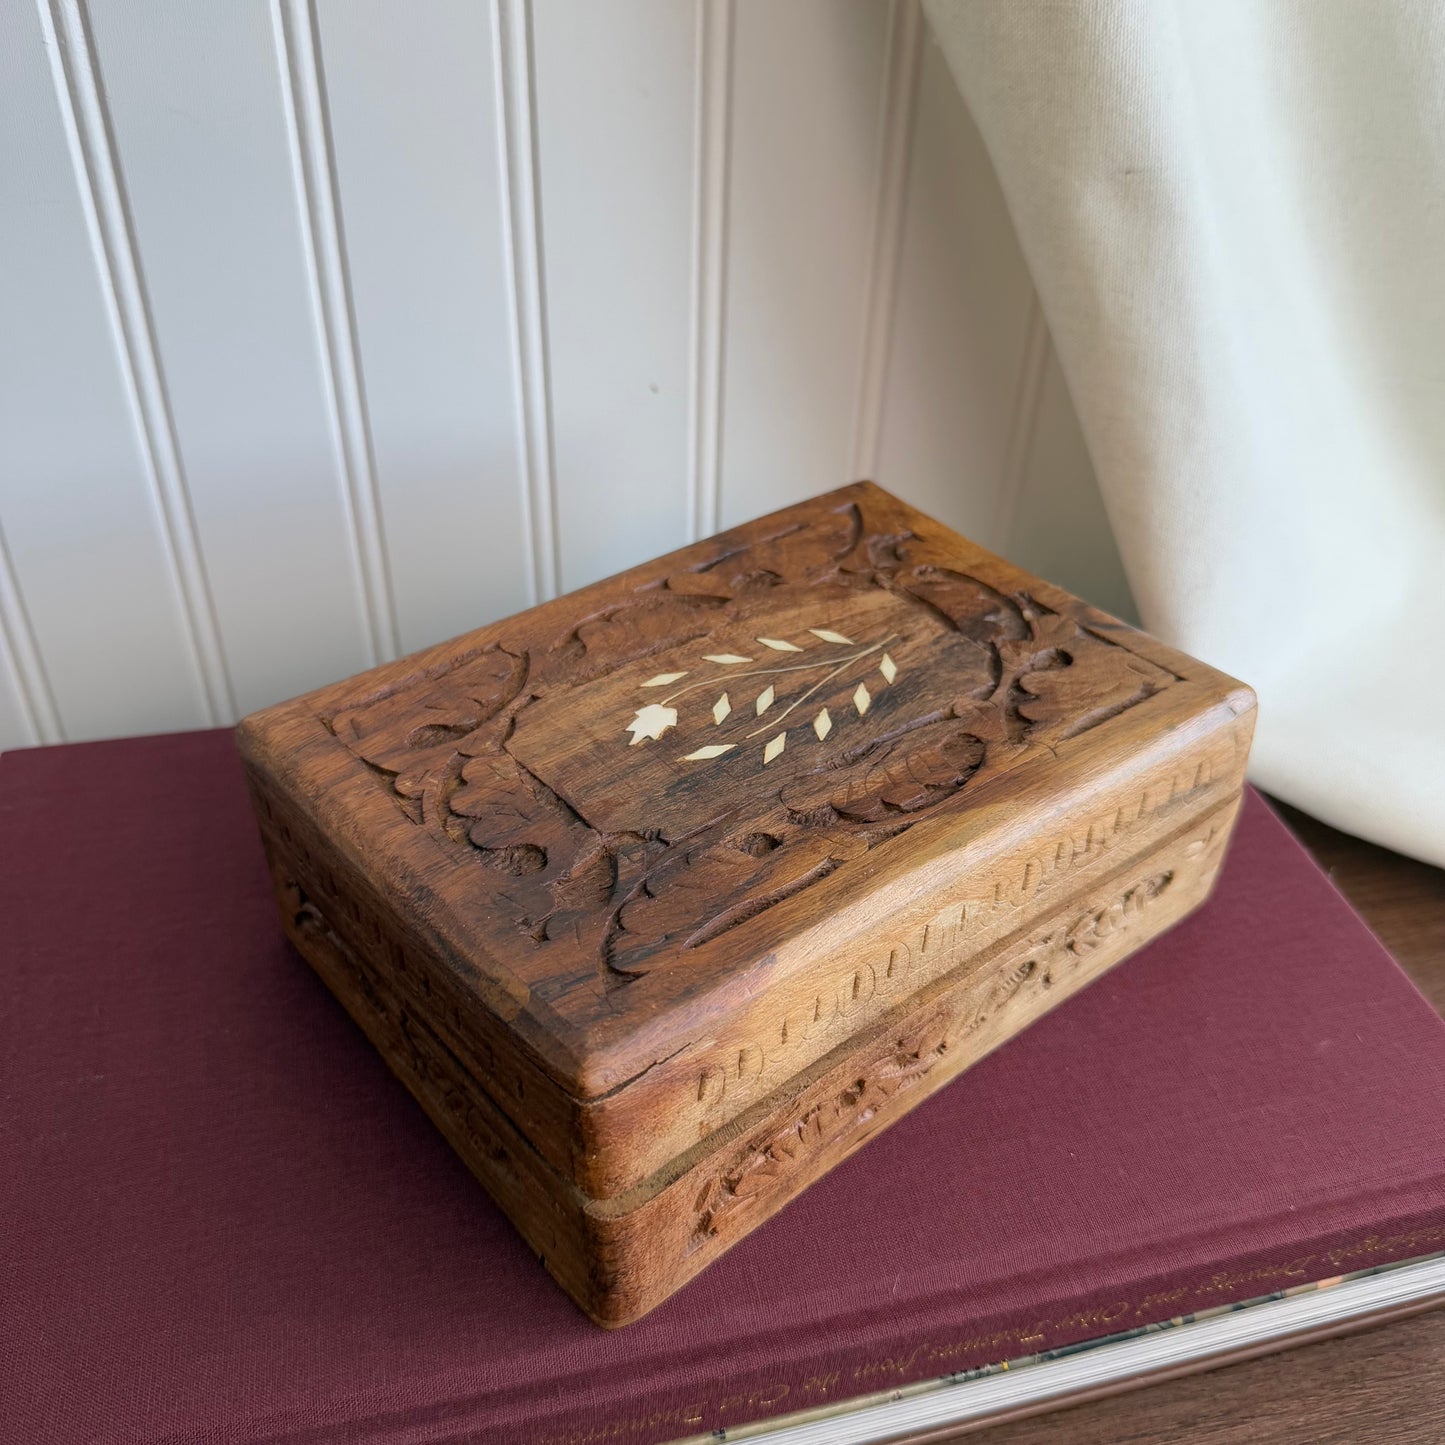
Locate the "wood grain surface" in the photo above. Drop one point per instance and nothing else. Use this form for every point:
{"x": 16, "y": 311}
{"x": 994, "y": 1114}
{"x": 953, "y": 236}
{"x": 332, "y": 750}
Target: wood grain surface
{"x": 1384, "y": 1386}
{"x": 666, "y": 895}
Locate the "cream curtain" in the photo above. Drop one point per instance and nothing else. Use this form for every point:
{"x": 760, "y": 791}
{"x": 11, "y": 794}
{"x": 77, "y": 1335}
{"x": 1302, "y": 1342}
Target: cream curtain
{"x": 1234, "y": 211}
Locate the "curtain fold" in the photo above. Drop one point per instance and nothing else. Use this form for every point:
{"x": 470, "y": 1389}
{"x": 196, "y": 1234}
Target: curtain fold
{"x": 1234, "y": 213}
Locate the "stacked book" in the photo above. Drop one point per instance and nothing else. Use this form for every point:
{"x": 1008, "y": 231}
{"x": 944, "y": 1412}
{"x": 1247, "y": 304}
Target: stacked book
{"x": 220, "y": 1218}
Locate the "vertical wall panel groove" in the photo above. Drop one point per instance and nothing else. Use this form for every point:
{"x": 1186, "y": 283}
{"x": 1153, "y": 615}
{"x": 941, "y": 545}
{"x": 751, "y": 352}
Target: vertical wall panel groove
{"x": 1023, "y": 424}
{"x": 92, "y": 148}
{"x": 23, "y": 661}
{"x": 379, "y": 320}
{"x": 711, "y": 129}
{"x": 615, "y": 192}
{"x": 808, "y": 85}
{"x": 904, "y": 62}
{"x": 313, "y": 164}
{"x": 518, "y": 134}
{"x": 412, "y": 119}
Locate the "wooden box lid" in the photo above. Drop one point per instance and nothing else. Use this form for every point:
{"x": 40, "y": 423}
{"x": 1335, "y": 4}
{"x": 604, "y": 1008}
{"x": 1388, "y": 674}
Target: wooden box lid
{"x": 645, "y": 852}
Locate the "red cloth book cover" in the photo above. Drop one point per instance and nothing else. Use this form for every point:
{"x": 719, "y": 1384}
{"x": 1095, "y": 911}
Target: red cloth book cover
{"x": 222, "y": 1219}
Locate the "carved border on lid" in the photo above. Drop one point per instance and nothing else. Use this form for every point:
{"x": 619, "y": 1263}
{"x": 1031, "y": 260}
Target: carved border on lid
{"x": 619, "y": 904}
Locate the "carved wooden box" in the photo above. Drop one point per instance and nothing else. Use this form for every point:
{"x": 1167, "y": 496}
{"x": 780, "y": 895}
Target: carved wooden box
{"x": 665, "y": 896}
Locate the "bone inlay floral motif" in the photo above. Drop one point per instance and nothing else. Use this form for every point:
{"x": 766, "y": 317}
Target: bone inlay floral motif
{"x": 651, "y": 721}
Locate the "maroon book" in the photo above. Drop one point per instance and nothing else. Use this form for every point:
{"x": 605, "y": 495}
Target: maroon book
{"x": 222, "y": 1219}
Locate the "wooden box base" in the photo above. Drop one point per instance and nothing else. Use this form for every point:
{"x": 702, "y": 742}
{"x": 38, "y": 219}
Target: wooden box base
{"x": 619, "y": 1258}
{"x": 666, "y": 896}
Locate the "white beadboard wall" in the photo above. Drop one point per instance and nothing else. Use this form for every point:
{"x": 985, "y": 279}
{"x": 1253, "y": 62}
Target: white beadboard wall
{"x": 330, "y": 328}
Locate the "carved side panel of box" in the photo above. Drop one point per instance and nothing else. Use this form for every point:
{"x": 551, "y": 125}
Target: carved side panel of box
{"x": 1132, "y": 805}
{"x": 620, "y": 1257}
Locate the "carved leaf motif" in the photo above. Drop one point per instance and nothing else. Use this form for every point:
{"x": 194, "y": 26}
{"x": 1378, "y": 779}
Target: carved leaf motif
{"x": 796, "y": 554}
{"x": 411, "y": 732}
{"x": 634, "y": 629}
{"x": 1034, "y": 676}
{"x": 973, "y": 607}
{"x": 675, "y": 902}
{"x": 1096, "y": 682}
{"x": 698, "y": 894}
{"x": 911, "y": 773}
{"x": 485, "y": 780}
{"x": 988, "y": 720}
{"x": 1050, "y": 640}
{"x": 885, "y": 549}
{"x": 588, "y": 880}
{"x": 556, "y": 867}
{"x": 771, "y": 1159}
{"x": 728, "y": 581}
{"x": 501, "y": 811}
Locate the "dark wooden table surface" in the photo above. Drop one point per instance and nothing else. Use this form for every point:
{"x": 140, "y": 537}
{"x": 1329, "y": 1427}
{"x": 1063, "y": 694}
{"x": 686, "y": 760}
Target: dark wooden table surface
{"x": 1382, "y": 1386}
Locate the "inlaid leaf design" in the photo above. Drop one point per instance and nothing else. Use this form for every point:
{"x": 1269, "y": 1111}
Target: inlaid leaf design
{"x": 712, "y": 750}
{"x": 651, "y": 722}
{"x": 805, "y": 679}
